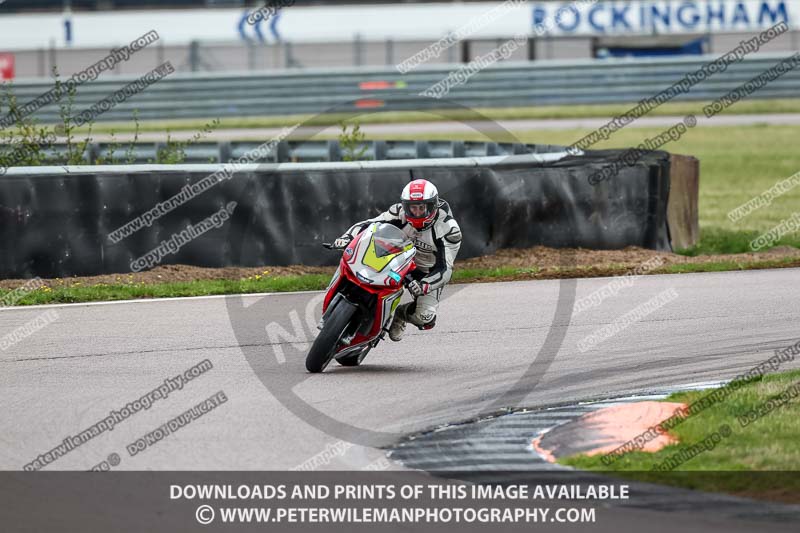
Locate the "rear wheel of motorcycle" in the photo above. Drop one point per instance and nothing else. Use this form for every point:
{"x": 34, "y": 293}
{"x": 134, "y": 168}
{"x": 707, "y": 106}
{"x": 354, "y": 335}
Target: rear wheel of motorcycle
{"x": 327, "y": 341}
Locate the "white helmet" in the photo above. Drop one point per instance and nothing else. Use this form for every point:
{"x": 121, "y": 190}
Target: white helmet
{"x": 420, "y": 201}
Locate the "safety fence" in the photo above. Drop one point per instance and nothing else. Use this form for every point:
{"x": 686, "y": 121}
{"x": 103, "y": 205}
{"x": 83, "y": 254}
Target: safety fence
{"x": 302, "y": 151}
{"x": 522, "y": 83}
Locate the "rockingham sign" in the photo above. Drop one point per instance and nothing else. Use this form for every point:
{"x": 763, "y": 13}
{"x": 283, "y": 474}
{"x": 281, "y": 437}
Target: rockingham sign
{"x": 426, "y": 22}
{"x": 649, "y": 17}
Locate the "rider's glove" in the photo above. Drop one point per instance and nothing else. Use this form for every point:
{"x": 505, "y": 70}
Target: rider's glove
{"x": 342, "y": 241}
{"x": 417, "y": 289}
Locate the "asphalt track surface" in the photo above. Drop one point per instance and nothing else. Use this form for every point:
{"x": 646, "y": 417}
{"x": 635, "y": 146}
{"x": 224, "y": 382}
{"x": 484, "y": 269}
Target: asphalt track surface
{"x": 466, "y": 127}
{"x": 95, "y": 358}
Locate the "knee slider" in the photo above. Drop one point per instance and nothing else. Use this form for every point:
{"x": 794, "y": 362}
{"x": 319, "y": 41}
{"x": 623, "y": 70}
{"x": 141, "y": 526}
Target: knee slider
{"x": 427, "y": 320}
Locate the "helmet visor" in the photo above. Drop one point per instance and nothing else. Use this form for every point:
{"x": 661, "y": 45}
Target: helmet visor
{"x": 419, "y": 209}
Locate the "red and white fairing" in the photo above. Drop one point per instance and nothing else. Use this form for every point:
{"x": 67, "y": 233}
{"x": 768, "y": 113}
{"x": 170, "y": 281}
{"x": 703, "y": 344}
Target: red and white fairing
{"x": 381, "y": 275}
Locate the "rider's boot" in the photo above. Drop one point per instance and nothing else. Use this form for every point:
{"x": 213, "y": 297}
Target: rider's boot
{"x": 398, "y": 326}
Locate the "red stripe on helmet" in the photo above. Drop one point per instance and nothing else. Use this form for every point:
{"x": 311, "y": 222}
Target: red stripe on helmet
{"x": 416, "y": 190}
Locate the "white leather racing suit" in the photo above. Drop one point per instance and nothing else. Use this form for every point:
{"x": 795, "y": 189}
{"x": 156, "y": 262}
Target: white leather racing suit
{"x": 437, "y": 247}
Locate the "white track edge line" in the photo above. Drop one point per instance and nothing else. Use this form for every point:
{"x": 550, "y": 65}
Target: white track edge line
{"x": 151, "y": 300}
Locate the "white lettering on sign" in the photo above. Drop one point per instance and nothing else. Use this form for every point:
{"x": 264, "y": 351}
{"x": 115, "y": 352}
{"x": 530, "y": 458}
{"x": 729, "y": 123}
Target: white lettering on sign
{"x": 664, "y": 16}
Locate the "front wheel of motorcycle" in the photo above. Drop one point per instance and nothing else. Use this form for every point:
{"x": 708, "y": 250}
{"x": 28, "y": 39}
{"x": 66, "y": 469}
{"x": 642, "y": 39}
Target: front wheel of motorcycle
{"x": 327, "y": 341}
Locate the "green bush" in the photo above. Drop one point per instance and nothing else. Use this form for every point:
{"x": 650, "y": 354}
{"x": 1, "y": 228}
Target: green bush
{"x": 352, "y": 143}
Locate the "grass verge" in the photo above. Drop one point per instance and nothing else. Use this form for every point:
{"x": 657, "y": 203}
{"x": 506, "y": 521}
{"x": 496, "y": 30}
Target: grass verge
{"x": 75, "y": 292}
{"x": 762, "y": 429}
{"x": 715, "y": 240}
{"x": 748, "y": 107}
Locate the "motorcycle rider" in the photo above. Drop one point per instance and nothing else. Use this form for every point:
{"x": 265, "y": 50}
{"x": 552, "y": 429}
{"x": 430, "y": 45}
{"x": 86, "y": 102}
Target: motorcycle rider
{"x": 428, "y": 222}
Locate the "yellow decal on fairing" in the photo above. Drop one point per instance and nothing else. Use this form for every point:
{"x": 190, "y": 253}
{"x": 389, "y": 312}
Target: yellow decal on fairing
{"x": 372, "y": 260}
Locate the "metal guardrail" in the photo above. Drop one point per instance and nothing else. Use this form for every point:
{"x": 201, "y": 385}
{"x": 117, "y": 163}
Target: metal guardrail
{"x": 305, "y": 151}
{"x": 504, "y": 85}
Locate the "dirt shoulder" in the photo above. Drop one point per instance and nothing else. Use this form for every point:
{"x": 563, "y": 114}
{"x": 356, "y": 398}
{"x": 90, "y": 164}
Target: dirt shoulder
{"x": 555, "y": 263}
{"x": 544, "y": 263}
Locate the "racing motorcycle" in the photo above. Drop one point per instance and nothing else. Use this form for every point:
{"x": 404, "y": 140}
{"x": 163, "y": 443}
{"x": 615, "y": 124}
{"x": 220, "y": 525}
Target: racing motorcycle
{"x": 362, "y": 297}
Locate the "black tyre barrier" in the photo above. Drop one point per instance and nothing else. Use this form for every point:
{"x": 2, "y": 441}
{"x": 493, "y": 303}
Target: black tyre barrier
{"x": 56, "y": 221}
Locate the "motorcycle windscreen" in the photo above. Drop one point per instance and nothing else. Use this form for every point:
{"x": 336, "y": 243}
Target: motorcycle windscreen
{"x": 387, "y": 242}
